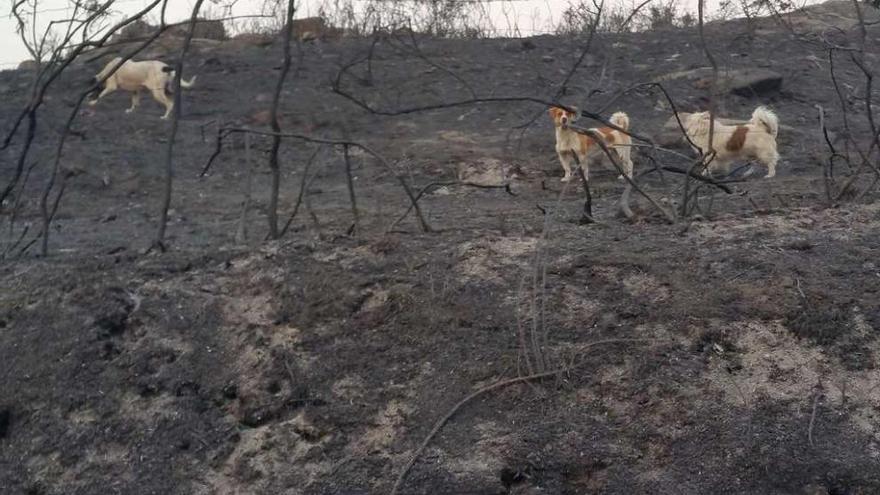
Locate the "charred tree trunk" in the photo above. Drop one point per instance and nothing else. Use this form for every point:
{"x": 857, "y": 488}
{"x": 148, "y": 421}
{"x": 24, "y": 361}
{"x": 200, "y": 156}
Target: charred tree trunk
{"x": 274, "y": 166}
{"x": 175, "y": 121}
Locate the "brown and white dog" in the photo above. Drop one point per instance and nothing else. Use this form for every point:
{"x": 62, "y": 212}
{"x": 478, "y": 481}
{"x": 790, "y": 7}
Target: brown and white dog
{"x": 754, "y": 140}
{"x": 573, "y": 146}
{"x": 150, "y": 75}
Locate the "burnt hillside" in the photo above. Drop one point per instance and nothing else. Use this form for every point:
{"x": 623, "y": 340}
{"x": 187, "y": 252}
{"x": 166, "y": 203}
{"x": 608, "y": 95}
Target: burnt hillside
{"x": 734, "y": 352}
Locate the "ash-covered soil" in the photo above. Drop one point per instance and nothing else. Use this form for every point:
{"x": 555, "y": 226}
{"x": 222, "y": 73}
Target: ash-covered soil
{"x": 743, "y": 347}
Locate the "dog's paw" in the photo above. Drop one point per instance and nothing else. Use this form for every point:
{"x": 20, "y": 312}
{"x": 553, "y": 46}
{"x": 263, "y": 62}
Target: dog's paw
{"x": 93, "y": 103}
{"x": 769, "y": 176}
{"x": 129, "y": 110}
{"x": 565, "y": 179}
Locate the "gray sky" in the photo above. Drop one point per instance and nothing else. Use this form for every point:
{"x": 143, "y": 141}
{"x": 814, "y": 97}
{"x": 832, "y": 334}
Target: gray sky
{"x": 528, "y": 16}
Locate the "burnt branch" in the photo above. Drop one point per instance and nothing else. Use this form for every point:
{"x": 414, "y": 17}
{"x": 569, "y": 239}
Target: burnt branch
{"x": 175, "y": 121}
{"x": 433, "y": 185}
{"x": 274, "y": 166}
{"x": 349, "y": 182}
{"x": 706, "y": 156}
{"x": 304, "y": 184}
{"x": 483, "y": 100}
{"x": 225, "y": 131}
{"x": 401, "y": 478}
{"x": 597, "y": 138}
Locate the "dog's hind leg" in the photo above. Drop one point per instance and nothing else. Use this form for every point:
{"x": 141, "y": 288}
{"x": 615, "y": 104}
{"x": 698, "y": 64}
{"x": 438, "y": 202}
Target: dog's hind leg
{"x": 160, "y": 96}
{"x": 624, "y": 153}
{"x": 107, "y": 90}
{"x": 769, "y": 158}
{"x": 135, "y": 99}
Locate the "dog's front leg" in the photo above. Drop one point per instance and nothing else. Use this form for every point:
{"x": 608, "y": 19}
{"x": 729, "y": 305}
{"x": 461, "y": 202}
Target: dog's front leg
{"x": 585, "y": 166}
{"x": 565, "y": 157}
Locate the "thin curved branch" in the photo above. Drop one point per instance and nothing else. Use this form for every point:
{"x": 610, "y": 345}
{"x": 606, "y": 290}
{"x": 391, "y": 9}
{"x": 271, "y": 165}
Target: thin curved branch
{"x": 338, "y": 142}
{"x": 401, "y": 478}
{"x": 425, "y": 189}
{"x": 599, "y": 140}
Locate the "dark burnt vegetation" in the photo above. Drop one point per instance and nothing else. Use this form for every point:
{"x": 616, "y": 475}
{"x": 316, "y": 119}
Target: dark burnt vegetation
{"x": 366, "y": 277}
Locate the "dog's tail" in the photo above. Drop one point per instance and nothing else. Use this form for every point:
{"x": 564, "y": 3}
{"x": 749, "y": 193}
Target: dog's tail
{"x": 764, "y": 116}
{"x": 169, "y": 84}
{"x": 621, "y": 120}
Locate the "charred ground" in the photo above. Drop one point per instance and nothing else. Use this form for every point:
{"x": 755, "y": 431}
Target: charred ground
{"x": 318, "y": 363}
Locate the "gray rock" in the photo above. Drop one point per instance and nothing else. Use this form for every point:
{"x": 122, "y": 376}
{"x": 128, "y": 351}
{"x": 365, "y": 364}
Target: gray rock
{"x": 748, "y": 81}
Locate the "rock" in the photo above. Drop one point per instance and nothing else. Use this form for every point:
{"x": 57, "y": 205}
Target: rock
{"x": 257, "y": 415}
{"x": 252, "y": 39}
{"x": 547, "y": 59}
{"x": 29, "y": 65}
{"x": 751, "y": 82}
{"x": 203, "y": 29}
{"x": 308, "y": 36}
{"x": 313, "y": 28}
{"x": 484, "y": 172}
{"x": 815, "y": 489}
{"x": 744, "y": 82}
{"x": 5, "y": 422}
{"x": 515, "y": 46}
{"x": 112, "y": 314}
{"x": 136, "y": 30}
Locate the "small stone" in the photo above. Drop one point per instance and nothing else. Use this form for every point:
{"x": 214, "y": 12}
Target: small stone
{"x": 5, "y": 422}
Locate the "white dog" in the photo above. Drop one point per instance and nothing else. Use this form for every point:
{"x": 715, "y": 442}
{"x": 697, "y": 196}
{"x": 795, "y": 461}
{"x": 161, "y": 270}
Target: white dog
{"x": 754, "y": 140}
{"x": 571, "y": 144}
{"x": 151, "y": 75}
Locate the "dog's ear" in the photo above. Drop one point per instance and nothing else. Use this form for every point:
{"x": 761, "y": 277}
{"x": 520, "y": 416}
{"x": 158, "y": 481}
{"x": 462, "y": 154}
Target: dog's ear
{"x": 554, "y": 112}
{"x": 167, "y": 69}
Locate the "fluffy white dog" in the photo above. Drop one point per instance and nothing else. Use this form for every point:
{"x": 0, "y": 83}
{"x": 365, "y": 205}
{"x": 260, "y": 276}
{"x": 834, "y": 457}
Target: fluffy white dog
{"x": 150, "y": 75}
{"x": 754, "y": 140}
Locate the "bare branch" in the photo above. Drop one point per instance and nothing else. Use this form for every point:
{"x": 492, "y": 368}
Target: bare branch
{"x": 175, "y": 122}
{"x": 338, "y": 142}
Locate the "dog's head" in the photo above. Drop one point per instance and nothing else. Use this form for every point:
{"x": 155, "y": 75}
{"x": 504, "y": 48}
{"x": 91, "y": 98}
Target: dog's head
{"x": 697, "y": 123}
{"x": 562, "y": 117}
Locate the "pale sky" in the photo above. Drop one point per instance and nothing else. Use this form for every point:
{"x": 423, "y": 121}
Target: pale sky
{"x": 528, "y": 16}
